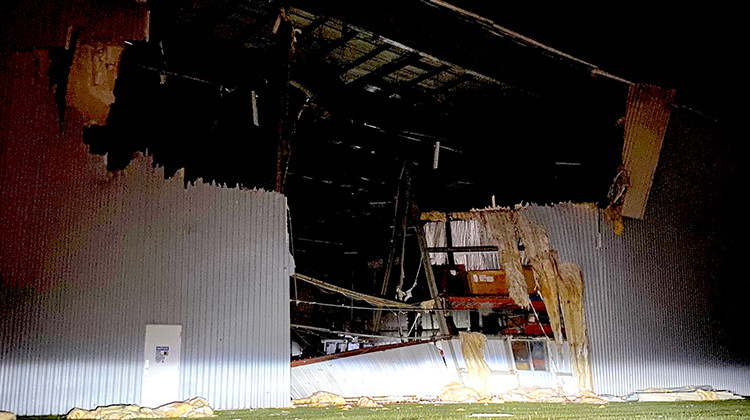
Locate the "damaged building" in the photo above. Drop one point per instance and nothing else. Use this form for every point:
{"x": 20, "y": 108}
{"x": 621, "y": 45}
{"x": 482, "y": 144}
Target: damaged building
{"x": 412, "y": 196}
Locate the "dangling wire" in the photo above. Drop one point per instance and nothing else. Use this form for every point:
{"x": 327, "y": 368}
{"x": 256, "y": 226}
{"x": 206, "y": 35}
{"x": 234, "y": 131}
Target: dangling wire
{"x": 407, "y": 294}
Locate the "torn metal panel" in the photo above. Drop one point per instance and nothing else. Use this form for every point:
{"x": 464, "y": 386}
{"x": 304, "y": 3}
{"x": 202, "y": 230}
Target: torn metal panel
{"x": 646, "y": 119}
{"x": 92, "y": 81}
{"x": 472, "y": 233}
{"x": 435, "y": 236}
{"x": 504, "y": 376}
{"x": 89, "y": 257}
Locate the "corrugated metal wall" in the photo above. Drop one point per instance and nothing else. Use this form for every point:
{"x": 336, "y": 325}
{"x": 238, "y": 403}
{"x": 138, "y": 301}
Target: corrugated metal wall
{"x": 662, "y": 300}
{"x": 133, "y": 249}
{"x": 646, "y": 307}
{"x": 648, "y": 296}
{"x": 413, "y": 370}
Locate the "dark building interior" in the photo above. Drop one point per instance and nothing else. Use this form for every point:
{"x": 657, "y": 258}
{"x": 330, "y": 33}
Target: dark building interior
{"x": 334, "y": 104}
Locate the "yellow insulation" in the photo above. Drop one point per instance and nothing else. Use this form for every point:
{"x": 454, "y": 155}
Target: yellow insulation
{"x": 547, "y": 280}
{"x": 571, "y": 302}
{"x": 539, "y": 252}
{"x": 559, "y": 283}
{"x": 500, "y": 226}
{"x": 472, "y": 347}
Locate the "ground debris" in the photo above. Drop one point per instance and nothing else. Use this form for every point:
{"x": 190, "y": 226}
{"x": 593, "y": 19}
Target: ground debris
{"x": 686, "y": 393}
{"x": 549, "y": 395}
{"x": 6, "y": 415}
{"x": 367, "y": 402}
{"x": 192, "y": 408}
{"x": 456, "y": 392}
{"x": 321, "y": 399}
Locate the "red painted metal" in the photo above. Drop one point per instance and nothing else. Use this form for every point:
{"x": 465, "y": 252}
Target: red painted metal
{"x": 499, "y": 302}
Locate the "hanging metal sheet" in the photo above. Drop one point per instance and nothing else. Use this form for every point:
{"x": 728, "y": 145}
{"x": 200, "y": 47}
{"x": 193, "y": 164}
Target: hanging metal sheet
{"x": 646, "y": 120}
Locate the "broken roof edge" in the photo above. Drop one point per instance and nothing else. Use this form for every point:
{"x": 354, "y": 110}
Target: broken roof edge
{"x": 407, "y": 49}
{"x": 501, "y": 31}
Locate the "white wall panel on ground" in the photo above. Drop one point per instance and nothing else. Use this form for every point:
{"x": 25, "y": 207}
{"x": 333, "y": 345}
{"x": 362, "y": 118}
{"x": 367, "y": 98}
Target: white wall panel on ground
{"x": 135, "y": 249}
{"x": 413, "y": 370}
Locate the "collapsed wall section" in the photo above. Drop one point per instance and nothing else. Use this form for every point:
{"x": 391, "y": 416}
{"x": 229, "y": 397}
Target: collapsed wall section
{"x": 559, "y": 283}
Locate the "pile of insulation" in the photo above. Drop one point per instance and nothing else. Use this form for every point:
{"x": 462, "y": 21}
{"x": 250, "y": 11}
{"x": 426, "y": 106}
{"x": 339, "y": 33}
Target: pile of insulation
{"x": 327, "y": 399}
{"x": 193, "y": 408}
{"x": 559, "y": 283}
{"x": 7, "y": 415}
{"x": 687, "y": 393}
{"x": 455, "y": 392}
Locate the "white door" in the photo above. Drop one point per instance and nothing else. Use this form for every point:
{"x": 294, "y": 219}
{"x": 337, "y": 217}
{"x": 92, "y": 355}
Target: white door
{"x": 161, "y": 365}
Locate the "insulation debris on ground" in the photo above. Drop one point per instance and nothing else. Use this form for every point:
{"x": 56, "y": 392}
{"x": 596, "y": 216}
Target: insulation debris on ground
{"x": 327, "y": 399}
{"x": 192, "y": 408}
{"x": 456, "y": 392}
{"x": 321, "y": 399}
{"x": 5, "y": 415}
{"x": 688, "y": 393}
{"x": 367, "y": 402}
{"x": 549, "y": 395}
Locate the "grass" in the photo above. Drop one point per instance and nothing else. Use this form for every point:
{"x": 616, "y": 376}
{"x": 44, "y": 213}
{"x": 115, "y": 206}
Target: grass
{"x": 665, "y": 411}
{"x": 683, "y": 410}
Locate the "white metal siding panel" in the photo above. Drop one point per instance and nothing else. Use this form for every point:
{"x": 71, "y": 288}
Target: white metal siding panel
{"x": 139, "y": 250}
{"x": 414, "y": 370}
{"x": 644, "y": 303}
